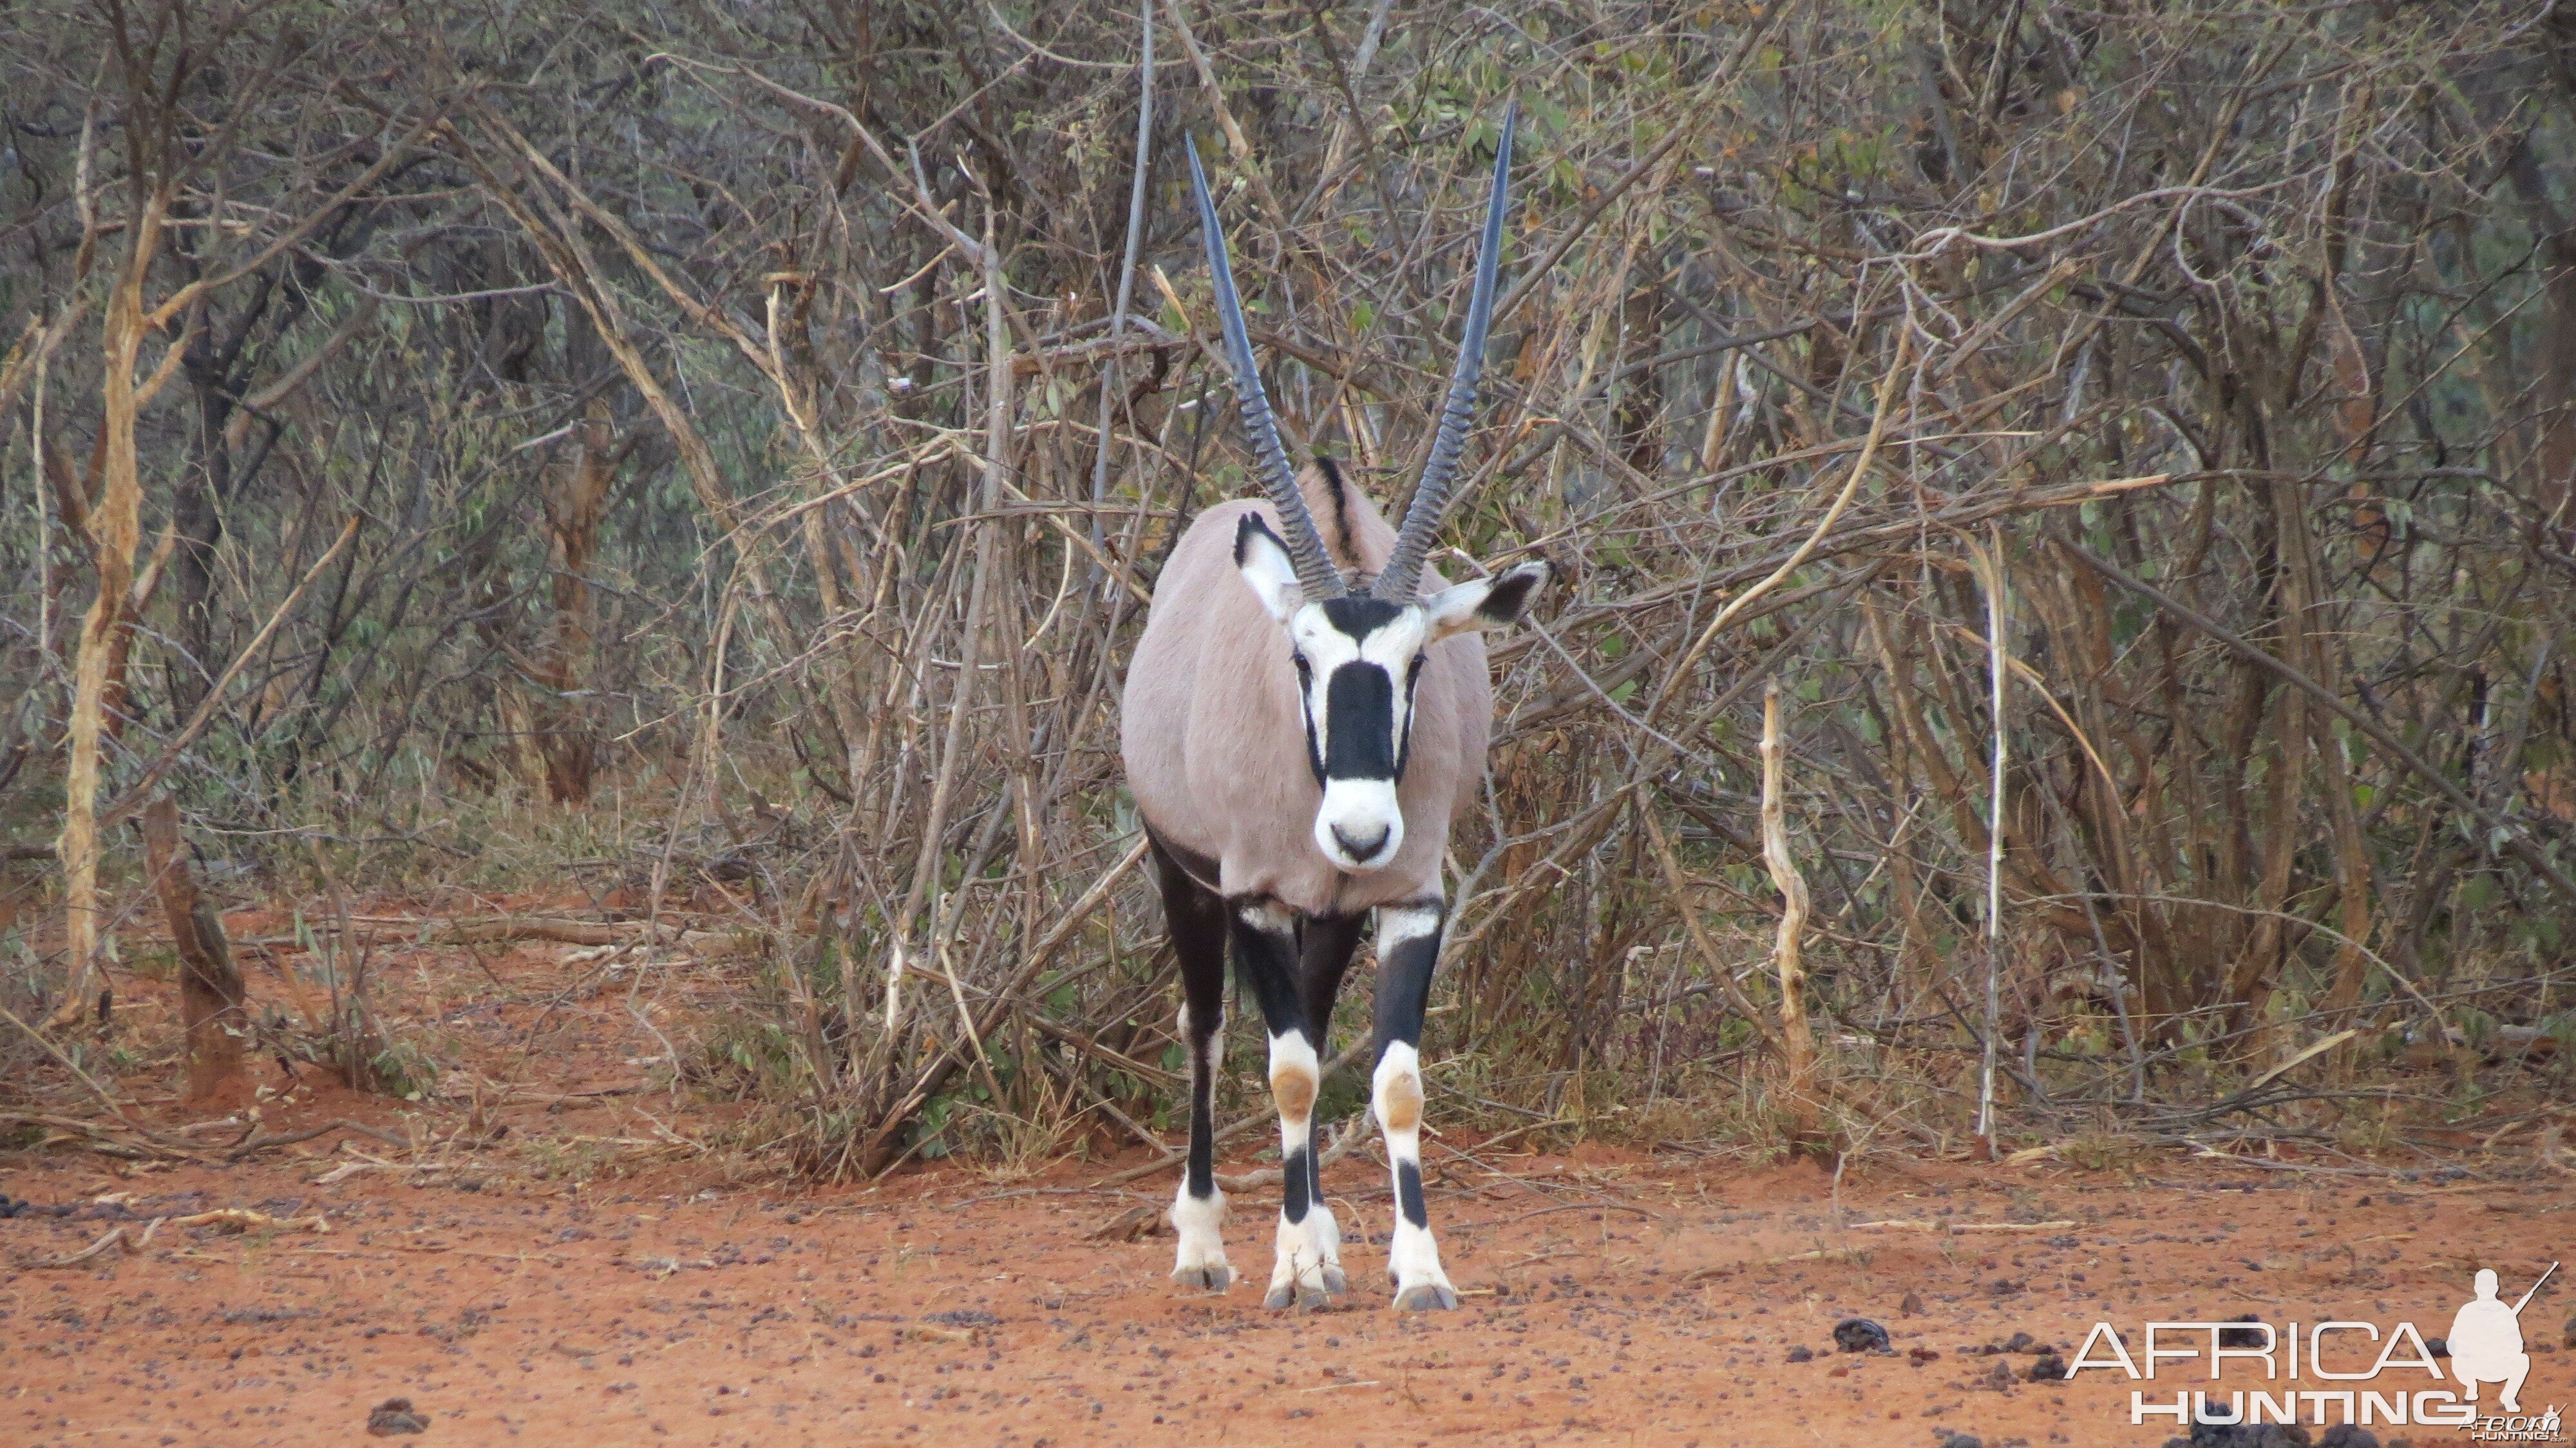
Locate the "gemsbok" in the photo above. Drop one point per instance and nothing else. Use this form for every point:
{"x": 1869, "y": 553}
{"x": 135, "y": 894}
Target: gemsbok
{"x": 1306, "y": 710}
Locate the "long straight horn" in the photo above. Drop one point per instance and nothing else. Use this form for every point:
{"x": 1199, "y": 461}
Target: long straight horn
{"x": 1316, "y": 576}
{"x": 1431, "y": 496}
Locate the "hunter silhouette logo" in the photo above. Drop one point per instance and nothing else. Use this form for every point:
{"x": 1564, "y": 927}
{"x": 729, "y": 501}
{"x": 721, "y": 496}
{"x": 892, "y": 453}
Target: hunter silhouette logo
{"x": 2486, "y": 1341}
{"x": 2412, "y": 1379}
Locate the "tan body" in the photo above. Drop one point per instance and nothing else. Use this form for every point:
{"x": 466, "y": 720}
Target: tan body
{"x": 1215, "y": 744}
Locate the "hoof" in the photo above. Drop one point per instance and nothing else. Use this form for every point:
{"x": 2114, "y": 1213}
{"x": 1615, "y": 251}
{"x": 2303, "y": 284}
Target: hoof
{"x": 1302, "y": 1296}
{"x": 1213, "y": 1277}
{"x": 1336, "y": 1281}
{"x": 1426, "y": 1297}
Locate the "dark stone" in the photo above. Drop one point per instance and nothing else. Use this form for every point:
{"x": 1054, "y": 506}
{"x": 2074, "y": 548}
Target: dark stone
{"x": 394, "y": 1417}
{"x": 1801, "y": 1354}
{"x": 1859, "y": 1334}
{"x": 2241, "y": 1336}
{"x": 2050, "y": 1368}
{"x": 2348, "y": 1435}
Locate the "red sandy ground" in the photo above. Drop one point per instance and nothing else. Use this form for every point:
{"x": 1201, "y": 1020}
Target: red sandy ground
{"x": 1611, "y": 1297}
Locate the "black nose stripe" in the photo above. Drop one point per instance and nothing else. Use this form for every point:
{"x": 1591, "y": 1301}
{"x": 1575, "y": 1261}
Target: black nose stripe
{"x": 1359, "y": 723}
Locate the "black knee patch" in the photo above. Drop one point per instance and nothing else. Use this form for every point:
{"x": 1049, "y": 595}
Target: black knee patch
{"x": 1408, "y": 1193}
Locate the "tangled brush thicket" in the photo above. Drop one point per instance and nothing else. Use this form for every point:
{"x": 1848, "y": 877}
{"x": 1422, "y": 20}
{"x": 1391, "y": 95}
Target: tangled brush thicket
{"x": 700, "y": 451}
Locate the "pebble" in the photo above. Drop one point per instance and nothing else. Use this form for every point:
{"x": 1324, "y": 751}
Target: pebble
{"x": 1859, "y": 1334}
{"x": 394, "y": 1417}
{"x": 2241, "y": 1336}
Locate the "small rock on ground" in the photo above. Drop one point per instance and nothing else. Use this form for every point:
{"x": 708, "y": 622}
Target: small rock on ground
{"x": 2241, "y": 1336}
{"x": 1859, "y": 1334}
{"x": 394, "y": 1417}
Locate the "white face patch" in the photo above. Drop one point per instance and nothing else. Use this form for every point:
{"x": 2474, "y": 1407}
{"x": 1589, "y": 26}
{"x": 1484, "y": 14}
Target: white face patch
{"x": 1359, "y": 825}
{"x": 1357, "y": 815}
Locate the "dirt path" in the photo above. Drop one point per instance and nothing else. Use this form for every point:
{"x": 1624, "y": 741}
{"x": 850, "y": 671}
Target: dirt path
{"x": 1612, "y": 1298}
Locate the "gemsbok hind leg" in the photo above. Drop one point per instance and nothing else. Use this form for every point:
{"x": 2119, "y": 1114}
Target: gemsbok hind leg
{"x": 1408, "y": 945}
{"x": 1267, "y": 951}
{"x": 1196, "y": 918}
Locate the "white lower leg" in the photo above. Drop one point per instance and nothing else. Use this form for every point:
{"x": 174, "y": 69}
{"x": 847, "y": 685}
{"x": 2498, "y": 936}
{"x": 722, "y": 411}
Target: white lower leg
{"x": 1297, "y": 1275}
{"x": 1412, "y": 1257}
{"x": 1196, "y": 1221}
{"x": 1324, "y": 1241}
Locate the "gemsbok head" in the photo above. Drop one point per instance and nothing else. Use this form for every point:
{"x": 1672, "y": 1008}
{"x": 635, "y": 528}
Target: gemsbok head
{"x": 1307, "y": 708}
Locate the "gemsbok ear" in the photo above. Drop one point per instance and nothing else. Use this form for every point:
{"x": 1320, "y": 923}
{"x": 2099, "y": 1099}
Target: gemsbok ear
{"x": 1265, "y": 563}
{"x": 1485, "y": 602}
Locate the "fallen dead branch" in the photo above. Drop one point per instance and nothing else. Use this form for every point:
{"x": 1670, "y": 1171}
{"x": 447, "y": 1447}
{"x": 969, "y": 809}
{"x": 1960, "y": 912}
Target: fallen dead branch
{"x": 497, "y": 929}
{"x": 1346, "y": 1136}
{"x": 348, "y": 1169}
{"x": 107, "y": 1137}
{"x": 1131, "y": 1225}
{"x": 243, "y": 1219}
{"x": 130, "y": 1142}
{"x": 117, "y": 1236}
{"x": 1821, "y": 1254}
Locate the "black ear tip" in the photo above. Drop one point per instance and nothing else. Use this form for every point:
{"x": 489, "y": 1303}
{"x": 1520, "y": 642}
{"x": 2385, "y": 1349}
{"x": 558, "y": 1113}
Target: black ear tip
{"x": 1512, "y": 592}
{"x": 1245, "y": 529}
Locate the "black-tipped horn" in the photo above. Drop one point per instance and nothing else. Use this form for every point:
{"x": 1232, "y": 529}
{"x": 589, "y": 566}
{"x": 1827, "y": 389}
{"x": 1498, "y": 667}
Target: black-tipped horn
{"x": 1431, "y": 496}
{"x": 1316, "y": 576}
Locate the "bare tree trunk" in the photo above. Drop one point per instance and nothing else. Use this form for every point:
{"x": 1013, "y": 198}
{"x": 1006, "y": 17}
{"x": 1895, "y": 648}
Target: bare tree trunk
{"x": 1798, "y": 1047}
{"x": 574, "y": 498}
{"x": 115, "y": 527}
{"x": 211, "y": 999}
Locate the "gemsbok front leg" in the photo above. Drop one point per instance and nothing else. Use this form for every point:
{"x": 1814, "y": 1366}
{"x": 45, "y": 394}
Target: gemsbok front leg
{"x": 1267, "y": 955}
{"x": 1327, "y": 948}
{"x": 1408, "y": 945}
{"x": 1196, "y": 918}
